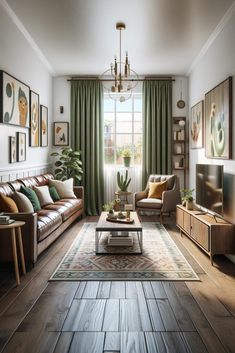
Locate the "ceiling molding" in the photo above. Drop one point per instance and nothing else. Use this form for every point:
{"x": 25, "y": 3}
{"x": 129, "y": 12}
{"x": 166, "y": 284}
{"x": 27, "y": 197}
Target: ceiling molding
{"x": 218, "y": 29}
{"x": 27, "y": 36}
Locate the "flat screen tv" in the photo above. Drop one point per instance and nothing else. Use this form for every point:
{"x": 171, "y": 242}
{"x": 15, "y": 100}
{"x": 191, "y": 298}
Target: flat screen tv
{"x": 209, "y": 187}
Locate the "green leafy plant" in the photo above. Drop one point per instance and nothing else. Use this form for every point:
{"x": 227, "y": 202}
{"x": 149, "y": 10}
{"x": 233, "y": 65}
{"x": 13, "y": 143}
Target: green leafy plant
{"x": 68, "y": 165}
{"x": 122, "y": 182}
{"x": 126, "y": 152}
{"x": 187, "y": 195}
{"x": 108, "y": 207}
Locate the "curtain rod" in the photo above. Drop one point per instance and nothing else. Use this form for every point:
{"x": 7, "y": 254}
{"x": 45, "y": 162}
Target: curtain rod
{"x": 152, "y": 78}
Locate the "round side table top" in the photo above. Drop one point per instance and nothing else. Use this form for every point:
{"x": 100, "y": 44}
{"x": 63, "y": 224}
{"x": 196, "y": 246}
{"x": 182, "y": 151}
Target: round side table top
{"x": 12, "y": 225}
{"x": 123, "y": 192}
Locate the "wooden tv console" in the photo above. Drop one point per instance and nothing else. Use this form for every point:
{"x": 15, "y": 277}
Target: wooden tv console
{"x": 213, "y": 236}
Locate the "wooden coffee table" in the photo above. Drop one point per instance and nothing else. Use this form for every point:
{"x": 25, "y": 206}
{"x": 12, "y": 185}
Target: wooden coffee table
{"x": 106, "y": 226}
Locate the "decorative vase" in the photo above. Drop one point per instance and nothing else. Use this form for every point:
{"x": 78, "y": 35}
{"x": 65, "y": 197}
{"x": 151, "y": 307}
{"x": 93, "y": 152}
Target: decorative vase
{"x": 127, "y": 161}
{"x": 189, "y": 205}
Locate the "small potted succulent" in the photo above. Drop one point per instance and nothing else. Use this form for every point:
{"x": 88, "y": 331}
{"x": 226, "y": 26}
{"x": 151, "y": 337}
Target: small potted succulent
{"x": 108, "y": 207}
{"x": 126, "y": 155}
{"x": 187, "y": 198}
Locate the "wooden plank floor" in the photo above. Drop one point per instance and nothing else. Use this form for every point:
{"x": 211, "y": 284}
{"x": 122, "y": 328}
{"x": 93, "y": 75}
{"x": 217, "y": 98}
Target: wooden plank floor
{"x": 119, "y": 316}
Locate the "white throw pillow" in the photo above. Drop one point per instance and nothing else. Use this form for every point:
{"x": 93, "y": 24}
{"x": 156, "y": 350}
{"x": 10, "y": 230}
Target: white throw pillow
{"x": 43, "y": 195}
{"x": 22, "y": 202}
{"x": 64, "y": 188}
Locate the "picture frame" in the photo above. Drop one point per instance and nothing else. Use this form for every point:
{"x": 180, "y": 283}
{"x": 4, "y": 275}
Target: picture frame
{"x": 21, "y": 146}
{"x": 197, "y": 125}
{"x": 43, "y": 126}
{"x": 218, "y": 121}
{"x": 61, "y": 133}
{"x": 34, "y": 135}
{"x": 14, "y": 101}
{"x": 12, "y": 149}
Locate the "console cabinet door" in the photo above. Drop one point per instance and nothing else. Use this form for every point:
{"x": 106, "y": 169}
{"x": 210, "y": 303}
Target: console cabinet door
{"x": 179, "y": 217}
{"x": 201, "y": 233}
{"x": 187, "y": 223}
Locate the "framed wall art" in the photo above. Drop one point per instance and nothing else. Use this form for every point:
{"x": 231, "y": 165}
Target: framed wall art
{"x": 61, "y": 134}
{"x": 34, "y": 120}
{"x": 14, "y": 101}
{"x": 197, "y": 125}
{"x": 12, "y": 149}
{"x": 43, "y": 126}
{"x": 21, "y": 146}
{"x": 218, "y": 119}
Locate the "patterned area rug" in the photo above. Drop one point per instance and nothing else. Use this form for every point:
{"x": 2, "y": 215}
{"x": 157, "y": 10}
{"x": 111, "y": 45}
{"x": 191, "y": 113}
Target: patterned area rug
{"x": 161, "y": 258}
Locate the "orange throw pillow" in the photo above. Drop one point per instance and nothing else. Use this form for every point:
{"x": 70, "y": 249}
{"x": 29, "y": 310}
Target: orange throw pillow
{"x": 156, "y": 189}
{"x": 7, "y": 204}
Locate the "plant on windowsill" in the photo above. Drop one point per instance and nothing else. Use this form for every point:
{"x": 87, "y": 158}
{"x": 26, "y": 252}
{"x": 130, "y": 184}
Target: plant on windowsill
{"x": 126, "y": 155}
{"x": 187, "y": 198}
{"x": 69, "y": 165}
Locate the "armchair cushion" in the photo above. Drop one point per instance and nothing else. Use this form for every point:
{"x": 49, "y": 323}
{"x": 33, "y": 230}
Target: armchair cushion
{"x": 150, "y": 203}
{"x": 156, "y": 189}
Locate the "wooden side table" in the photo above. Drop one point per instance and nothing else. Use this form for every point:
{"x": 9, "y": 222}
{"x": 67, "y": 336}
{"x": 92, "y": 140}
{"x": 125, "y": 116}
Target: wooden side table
{"x": 123, "y": 196}
{"x": 12, "y": 227}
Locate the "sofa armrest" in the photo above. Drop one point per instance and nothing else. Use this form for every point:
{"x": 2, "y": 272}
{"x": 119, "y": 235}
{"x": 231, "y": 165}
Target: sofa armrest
{"x": 170, "y": 199}
{"x": 140, "y": 195}
{"x": 29, "y": 233}
{"x": 79, "y": 192}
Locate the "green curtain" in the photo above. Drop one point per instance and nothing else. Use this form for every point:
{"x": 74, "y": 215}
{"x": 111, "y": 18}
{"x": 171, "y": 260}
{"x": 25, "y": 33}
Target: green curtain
{"x": 157, "y": 127}
{"x": 87, "y": 136}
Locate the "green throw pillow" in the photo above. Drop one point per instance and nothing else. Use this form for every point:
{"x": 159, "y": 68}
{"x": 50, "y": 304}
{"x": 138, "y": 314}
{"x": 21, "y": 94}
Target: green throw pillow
{"x": 54, "y": 194}
{"x": 32, "y": 196}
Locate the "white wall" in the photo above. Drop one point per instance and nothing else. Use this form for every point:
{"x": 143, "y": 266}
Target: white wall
{"x": 20, "y": 60}
{"x": 215, "y": 66}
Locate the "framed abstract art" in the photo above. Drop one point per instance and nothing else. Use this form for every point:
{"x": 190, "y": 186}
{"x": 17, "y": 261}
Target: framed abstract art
{"x": 218, "y": 119}
{"x": 43, "y": 126}
{"x": 21, "y": 146}
{"x": 12, "y": 149}
{"x": 34, "y": 134}
{"x": 197, "y": 125}
{"x": 61, "y": 134}
{"x": 14, "y": 101}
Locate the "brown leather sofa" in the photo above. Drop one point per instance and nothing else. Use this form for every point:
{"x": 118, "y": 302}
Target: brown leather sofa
{"x": 43, "y": 227}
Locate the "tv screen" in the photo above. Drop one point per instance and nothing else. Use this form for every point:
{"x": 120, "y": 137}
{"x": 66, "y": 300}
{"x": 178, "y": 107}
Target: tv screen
{"x": 209, "y": 187}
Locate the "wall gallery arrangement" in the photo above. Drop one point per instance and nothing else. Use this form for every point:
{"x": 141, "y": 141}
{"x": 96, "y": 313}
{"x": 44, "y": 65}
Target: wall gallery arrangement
{"x": 61, "y": 134}
{"x": 19, "y": 106}
{"x": 217, "y": 132}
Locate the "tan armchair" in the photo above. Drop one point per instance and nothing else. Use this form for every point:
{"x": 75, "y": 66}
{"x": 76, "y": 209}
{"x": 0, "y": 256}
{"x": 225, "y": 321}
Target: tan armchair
{"x": 170, "y": 198}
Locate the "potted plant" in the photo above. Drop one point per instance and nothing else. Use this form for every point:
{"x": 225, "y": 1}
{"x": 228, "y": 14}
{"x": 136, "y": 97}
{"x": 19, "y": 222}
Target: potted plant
{"x": 68, "y": 165}
{"x": 126, "y": 155}
{"x": 187, "y": 198}
{"x": 108, "y": 207}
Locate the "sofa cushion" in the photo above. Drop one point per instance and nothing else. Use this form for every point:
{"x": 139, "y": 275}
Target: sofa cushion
{"x": 156, "y": 189}
{"x": 7, "y": 204}
{"x": 48, "y": 221}
{"x": 32, "y": 196}
{"x": 23, "y": 203}
{"x": 66, "y": 207}
{"x": 54, "y": 194}
{"x": 150, "y": 203}
{"x": 43, "y": 195}
{"x": 64, "y": 188}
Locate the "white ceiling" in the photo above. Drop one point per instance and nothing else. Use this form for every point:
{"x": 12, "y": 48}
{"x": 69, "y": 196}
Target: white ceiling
{"x": 79, "y": 36}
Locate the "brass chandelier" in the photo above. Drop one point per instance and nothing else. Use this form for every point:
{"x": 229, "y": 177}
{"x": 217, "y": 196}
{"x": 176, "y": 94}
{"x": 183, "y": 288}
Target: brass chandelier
{"x": 120, "y": 80}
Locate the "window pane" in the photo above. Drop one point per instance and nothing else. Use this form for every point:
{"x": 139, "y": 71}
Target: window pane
{"x": 109, "y": 155}
{"x": 108, "y": 105}
{"x": 124, "y": 127}
{"x": 137, "y": 149}
{"x": 124, "y": 106}
{"x": 109, "y": 123}
{"x": 122, "y": 142}
{"x": 138, "y": 128}
{"x": 109, "y": 140}
{"x": 123, "y": 117}
{"x": 138, "y": 105}
{"x": 138, "y": 116}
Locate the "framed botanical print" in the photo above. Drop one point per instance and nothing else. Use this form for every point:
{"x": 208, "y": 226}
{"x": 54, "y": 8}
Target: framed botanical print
{"x": 197, "y": 125}
{"x": 14, "y": 101}
{"x": 218, "y": 119}
{"x": 61, "y": 134}
{"x": 34, "y": 135}
{"x": 12, "y": 149}
{"x": 43, "y": 126}
{"x": 21, "y": 146}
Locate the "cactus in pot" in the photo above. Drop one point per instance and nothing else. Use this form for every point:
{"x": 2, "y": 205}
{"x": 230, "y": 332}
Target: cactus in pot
{"x": 122, "y": 182}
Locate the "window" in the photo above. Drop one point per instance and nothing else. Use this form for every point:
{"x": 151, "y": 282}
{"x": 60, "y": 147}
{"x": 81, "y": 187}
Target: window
{"x": 123, "y": 129}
